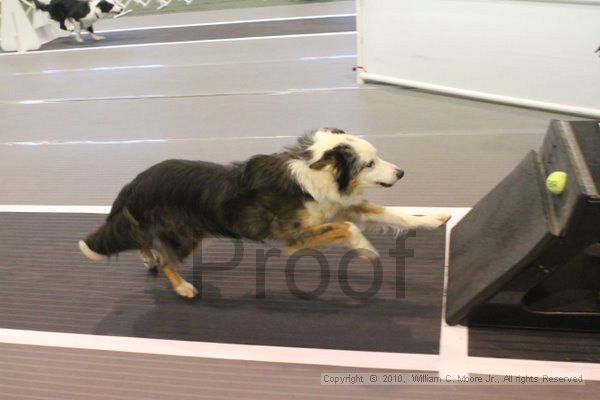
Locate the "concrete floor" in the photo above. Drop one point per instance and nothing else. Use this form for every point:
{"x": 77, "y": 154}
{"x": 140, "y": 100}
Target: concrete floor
{"x": 102, "y": 115}
{"x": 209, "y": 5}
{"x": 78, "y": 124}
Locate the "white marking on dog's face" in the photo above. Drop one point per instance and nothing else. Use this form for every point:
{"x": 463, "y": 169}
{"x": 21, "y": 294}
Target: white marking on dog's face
{"x": 369, "y": 169}
{"x": 339, "y": 166}
{"x": 106, "y": 7}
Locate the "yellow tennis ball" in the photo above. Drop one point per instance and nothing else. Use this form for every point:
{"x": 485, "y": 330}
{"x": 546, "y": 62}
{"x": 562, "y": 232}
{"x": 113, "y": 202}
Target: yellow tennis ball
{"x": 556, "y": 182}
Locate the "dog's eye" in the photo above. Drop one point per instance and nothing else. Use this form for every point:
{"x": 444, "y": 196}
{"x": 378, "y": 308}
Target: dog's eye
{"x": 370, "y": 164}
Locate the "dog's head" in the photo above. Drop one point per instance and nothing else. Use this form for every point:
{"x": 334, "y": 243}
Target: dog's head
{"x": 352, "y": 162}
{"x": 107, "y": 7}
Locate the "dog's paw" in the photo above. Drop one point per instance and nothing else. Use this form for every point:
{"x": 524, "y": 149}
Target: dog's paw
{"x": 79, "y": 39}
{"x": 186, "y": 289}
{"x": 97, "y": 37}
{"x": 149, "y": 260}
{"x": 151, "y": 265}
{"x": 435, "y": 221}
{"x": 369, "y": 254}
{"x": 443, "y": 217}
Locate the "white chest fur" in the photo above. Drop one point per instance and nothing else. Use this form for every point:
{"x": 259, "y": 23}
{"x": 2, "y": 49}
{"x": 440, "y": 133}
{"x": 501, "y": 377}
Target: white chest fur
{"x": 89, "y": 19}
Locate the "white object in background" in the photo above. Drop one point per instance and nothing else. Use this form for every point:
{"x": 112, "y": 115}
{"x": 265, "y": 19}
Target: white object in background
{"x": 530, "y": 53}
{"x": 142, "y": 2}
{"x": 16, "y": 30}
{"x": 46, "y": 29}
{"x": 163, "y": 4}
{"x": 124, "y": 5}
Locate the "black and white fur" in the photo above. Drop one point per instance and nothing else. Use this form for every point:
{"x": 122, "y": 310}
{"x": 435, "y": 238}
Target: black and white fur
{"x": 307, "y": 197}
{"x": 81, "y": 14}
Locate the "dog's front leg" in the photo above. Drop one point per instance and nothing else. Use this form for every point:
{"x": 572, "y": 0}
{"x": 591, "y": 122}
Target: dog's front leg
{"x": 77, "y": 28}
{"x": 367, "y": 214}
{"x": 90, "y": 29}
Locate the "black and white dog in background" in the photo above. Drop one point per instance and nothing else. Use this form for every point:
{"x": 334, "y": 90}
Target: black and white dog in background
{"x": 82, "y": 14}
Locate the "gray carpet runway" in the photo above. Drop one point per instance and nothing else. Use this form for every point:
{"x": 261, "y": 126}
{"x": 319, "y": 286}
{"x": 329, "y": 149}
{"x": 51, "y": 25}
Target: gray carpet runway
{"x": 251, "y": 300}
{"x": 67, "y": 293}
{"x": 211, "y": 32}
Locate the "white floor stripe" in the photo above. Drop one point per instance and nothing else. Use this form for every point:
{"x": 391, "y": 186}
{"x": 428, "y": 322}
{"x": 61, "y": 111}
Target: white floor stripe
{"x": 55, "y": 209}
{"x": 302, "y": 35}
{"x": 177, "y": 66}
{"x": 281, "y": 92}
{"x": 455, "y": 211}
{"x": 453, "y": 358}
{"x": 399, "y": 135}
{"x": 345, "y": 358}
{"x": 454, "y": 340}
{"x": 245, "y": 21}
{"x": 293, "y": 355}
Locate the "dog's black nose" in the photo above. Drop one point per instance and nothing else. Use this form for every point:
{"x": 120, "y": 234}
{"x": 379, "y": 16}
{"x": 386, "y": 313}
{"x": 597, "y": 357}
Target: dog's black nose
{"x": 399, "y": 173}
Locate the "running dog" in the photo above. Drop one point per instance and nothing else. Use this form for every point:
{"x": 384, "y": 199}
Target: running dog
{"x": 307, "y": 197}
{"x": 82, "y": 14}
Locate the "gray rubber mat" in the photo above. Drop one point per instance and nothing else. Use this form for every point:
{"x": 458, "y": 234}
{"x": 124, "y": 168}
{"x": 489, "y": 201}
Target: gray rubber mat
{"x": 211, "y": 32}
{"x": 48, "y": 285}
{"x": 534, "y": 344}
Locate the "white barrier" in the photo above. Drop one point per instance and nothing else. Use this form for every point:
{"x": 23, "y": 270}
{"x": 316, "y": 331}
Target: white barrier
{"x": 165, "y": 3}
{"x": 534, "y": 53}
{"x": 46, "y": 28}
{"x": 161, "y": 4}
{"x": 22, "y": 27}
{"x": 16, "y": 31}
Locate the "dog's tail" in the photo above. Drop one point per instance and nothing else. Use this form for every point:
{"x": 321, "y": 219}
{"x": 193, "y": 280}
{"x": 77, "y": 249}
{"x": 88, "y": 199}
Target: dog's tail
{"x": 120, "y": 232}
{"x": 41, "y": 6}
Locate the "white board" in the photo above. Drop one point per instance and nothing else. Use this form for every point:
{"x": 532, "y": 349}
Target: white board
{"x": 531, "y": 53}
{"x": 16, "y": 30}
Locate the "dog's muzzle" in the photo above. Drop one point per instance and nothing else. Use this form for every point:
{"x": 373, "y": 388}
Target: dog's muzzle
{"x": 399, "y": 175}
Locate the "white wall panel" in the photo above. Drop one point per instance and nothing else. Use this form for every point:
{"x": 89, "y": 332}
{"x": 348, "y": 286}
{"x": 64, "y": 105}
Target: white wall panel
{"x": 532, "y": 53}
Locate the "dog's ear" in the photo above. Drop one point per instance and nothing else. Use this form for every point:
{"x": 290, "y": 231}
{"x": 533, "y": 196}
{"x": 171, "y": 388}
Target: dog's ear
{"x": 105, "y": 6}
{"x": 344, "y": 163}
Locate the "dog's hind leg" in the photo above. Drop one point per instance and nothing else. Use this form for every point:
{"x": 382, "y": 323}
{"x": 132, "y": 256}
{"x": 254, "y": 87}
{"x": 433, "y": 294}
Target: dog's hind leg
{"x": 331, "y": 234}
{"x": 93, "y": 35}
{"x": 149, "y": 260}
{"x": 168, "y": 260}
{"x": 180, "y": 285}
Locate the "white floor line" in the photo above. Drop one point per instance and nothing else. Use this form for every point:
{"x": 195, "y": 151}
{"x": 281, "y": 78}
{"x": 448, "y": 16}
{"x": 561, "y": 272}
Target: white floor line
{"x": 179, "y": 66}
{"x": 111, "y": 141}
{"x": 281, "y": 92}
{"x": 245, "y": 21}
{"x": 37, "y": 208}
{"x": 26, "y": 208}
{"x": 295, "y": 355}
{"x": 454, "y": 340}
{"x": 453, "y": 358}
{"x": 302, "y": 35}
